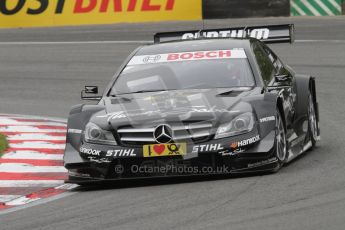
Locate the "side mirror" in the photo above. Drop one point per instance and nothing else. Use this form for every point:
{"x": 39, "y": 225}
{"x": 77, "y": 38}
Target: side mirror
{"x": 90, "y": 90}
{"x": 282, "y": 78}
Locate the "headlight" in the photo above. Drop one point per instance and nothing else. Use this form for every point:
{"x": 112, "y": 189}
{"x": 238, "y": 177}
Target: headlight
{"x": 241, "y": 124}
{"x": 95, "y": 134}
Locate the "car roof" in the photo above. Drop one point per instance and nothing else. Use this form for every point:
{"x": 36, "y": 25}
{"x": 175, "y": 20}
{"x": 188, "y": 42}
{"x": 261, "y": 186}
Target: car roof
{"x": 194, "y": 45}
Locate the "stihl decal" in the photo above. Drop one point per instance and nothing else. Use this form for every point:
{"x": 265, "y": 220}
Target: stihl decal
{"x": 207, "y": 148}
{"x": 255, "y": 33}
{"x": 188, "y": 56}
{"x": 121, "y": 153}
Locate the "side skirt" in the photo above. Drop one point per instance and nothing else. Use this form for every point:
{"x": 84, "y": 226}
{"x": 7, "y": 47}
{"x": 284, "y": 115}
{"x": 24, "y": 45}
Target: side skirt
{"x": 296, "y": 151}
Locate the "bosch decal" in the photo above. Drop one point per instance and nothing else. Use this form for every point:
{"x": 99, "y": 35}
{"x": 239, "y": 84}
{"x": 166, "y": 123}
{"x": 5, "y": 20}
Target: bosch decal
{"x": 200, "y": 55}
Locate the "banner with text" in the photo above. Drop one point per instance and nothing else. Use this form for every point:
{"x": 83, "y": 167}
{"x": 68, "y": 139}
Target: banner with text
{"x": 41, "y": 13}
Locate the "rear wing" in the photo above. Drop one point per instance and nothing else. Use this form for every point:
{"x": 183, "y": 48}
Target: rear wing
{"x": 268, "y": 34}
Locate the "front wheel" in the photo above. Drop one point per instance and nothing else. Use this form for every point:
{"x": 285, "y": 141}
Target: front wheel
{"x": 312, "y": 121}
{"x": 280, "y": 142}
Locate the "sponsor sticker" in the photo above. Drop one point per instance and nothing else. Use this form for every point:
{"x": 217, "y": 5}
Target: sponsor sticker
{"x": 161, "y": 150}
{"x": 246, "y": 142}
{"x": 207, "y": 148}
{"x": 188, "y": 56}
{"x": 121, "y": 153}
{"x": 99, "y": 161}
{"x": 74, "y": 131}
{"x": 231, "y": 153}
{"x": 267, "y": 119}
{"x": 109, "y": 153}
{"x": 33, "y": 13}
{"x": 260, "y": 33}
{"x": 92, "y": 152}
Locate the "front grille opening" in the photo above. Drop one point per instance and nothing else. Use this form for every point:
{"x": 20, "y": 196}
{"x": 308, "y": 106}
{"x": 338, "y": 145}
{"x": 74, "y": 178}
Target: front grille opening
{"x": 190, "y": 132}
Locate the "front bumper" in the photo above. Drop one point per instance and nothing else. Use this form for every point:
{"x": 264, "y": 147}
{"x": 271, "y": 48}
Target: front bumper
{"x": 98, "y": 162}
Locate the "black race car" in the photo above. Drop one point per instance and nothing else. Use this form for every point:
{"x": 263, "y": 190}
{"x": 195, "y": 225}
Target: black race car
{"x": 195, "y": 102}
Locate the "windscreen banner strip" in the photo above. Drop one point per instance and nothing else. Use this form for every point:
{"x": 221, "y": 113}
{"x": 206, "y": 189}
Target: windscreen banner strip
{"x": 188, "y": 56}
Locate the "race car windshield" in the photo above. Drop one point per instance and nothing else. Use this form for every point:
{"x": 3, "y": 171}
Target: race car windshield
{"x": 183, "y": 75}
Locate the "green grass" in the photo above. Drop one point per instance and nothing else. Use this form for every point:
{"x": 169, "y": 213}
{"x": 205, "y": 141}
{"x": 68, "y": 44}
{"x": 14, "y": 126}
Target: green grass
{"x": 3, "y": 144}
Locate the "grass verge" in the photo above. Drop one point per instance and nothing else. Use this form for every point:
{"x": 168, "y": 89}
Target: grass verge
{"x": 3, "y": 144}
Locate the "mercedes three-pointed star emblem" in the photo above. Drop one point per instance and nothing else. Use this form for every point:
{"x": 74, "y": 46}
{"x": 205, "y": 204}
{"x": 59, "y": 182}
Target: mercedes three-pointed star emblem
{"x": 163, "y": 134}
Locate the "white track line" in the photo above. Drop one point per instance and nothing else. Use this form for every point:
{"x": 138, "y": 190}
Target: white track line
{"x": 6, "y": 198}
{"x": 34, "y": 136}
{"x": 55, "y": 119}
{"x": 38, "y": 145}
{"x": 30, "y": 155}
{"x": 30, "y": 129}
{"x": 27, "y": 168}
{"x": 21, "y": 201}
{"x": 316, "y": 41}
{"x": 30, "y": 183}
{"x": 9, "y": 121}
{"x": 6, "y": 122}
{"x": 38, "y": 202}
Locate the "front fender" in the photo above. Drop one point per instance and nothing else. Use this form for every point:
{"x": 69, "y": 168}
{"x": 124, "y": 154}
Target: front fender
{"x": 77, "y": 120}
{"x": 266, "y": 110}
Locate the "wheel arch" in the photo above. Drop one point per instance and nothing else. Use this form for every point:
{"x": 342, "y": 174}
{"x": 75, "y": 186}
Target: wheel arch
{"x": 312, "y": 88}
{"x": 304, "y": 85}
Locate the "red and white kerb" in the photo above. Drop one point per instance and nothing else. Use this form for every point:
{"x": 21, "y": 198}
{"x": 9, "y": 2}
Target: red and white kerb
{"x": 188, "y": 56}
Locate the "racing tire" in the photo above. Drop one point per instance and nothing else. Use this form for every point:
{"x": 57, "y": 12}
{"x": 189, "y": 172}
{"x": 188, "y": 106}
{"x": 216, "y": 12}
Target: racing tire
{"x": 281, "y": 152}
{"x": 313, "y": 125}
